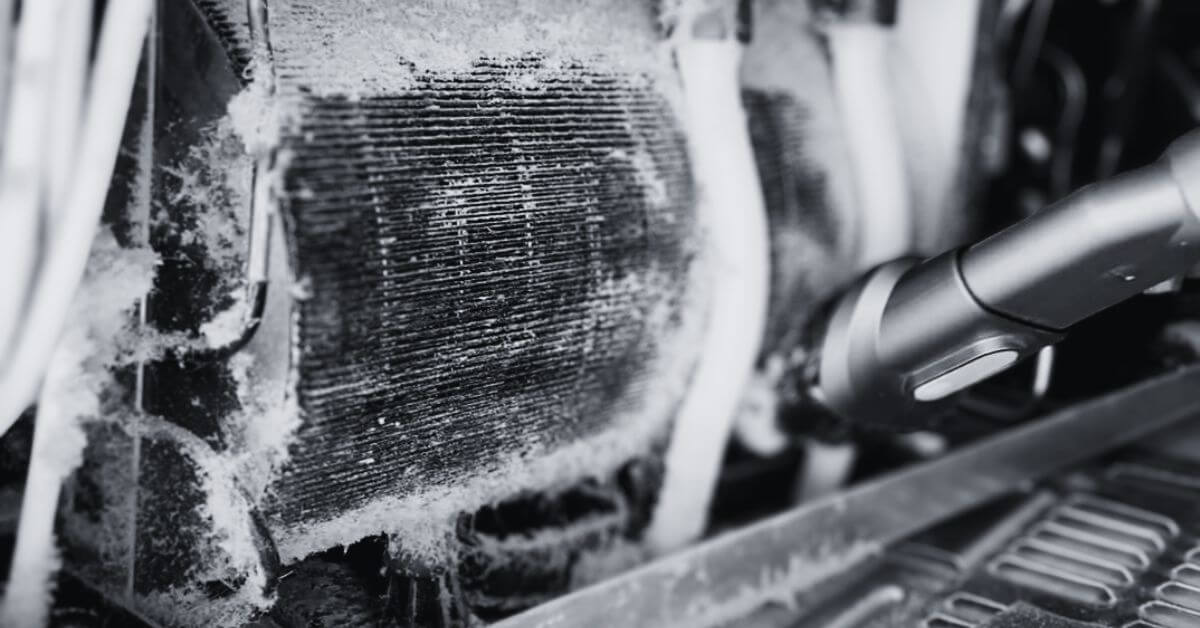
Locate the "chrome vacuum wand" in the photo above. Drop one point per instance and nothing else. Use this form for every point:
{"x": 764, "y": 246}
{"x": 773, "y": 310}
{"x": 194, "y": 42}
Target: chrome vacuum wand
{"x": 910, "y": 334}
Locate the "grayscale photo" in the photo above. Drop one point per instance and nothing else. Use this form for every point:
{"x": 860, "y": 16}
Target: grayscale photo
{"x": 599, "y": 313}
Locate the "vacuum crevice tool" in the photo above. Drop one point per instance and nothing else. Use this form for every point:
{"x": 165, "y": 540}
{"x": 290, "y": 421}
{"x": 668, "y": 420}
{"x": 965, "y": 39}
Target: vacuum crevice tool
{"x": 910, "y": 334}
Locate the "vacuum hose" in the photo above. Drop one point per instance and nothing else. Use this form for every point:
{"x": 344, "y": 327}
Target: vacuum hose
{"x": 911, "y": 334}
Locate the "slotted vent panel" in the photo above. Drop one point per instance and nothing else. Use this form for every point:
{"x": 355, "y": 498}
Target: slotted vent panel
{"x": 1176, "y": 601}
{"x": 964, "y": 610}
{"x": 1086, "y": 550}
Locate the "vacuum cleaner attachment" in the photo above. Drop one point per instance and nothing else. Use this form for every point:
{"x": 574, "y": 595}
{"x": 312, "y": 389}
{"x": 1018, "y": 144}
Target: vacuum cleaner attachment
{"x": 909, "y": 335}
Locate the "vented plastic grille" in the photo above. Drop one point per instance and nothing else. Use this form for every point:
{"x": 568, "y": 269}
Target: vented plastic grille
{"x": 1087, "y": 550}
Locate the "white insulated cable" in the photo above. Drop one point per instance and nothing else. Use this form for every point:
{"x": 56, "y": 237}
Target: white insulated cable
{"x": 24, "y": 196}
{"x": 74, "y": 33}
{"x": 30, "y": 100}
{"x": 109, "y": 92}
{"x": 862, "y": 83}
{"x": 57, "y": 448}
{"x": 731, "y": 209}
{"x": 35, "y": 560}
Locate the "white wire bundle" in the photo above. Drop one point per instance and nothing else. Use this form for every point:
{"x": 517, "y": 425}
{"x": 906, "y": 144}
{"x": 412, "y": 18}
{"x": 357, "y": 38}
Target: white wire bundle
{"x": 61, "y": 136}
{"x": 47, "y": 245}
{"x": 732, "y": 208}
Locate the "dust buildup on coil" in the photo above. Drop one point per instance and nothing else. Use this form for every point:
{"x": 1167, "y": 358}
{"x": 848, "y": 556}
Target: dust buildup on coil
{"x": 495, "y": 271}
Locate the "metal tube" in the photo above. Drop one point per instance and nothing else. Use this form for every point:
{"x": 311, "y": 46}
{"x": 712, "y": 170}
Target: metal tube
{"x": 1097, "y": 247}
{"x": 911, "y": 335}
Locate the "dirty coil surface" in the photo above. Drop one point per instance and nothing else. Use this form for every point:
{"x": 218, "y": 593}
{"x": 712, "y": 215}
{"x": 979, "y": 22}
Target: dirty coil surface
{"x": 491, "y": 266}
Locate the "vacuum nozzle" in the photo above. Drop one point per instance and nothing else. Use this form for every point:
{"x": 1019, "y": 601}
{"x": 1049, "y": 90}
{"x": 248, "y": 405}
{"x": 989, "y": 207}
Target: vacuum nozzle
{"x": 911, "y": 334}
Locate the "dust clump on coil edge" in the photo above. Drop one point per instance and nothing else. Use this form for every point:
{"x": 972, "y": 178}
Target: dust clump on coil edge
{"x": 90, "y": 380}
{"x": 351, "y": 48}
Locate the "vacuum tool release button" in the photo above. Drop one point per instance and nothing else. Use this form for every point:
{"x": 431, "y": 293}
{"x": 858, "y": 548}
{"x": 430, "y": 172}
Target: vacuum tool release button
{"x": 965, "y": 374}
